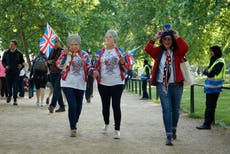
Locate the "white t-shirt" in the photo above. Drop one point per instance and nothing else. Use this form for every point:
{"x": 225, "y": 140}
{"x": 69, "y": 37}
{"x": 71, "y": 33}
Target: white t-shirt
{"x": 110, "y": 71}
{"x": 76, "y": 76}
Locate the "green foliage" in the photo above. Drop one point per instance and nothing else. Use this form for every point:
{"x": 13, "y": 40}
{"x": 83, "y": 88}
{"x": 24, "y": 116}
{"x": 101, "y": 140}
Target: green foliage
{"x": 201, "y": 23}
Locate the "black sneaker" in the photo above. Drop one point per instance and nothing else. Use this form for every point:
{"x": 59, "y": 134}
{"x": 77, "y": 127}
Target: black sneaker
{"x": 203, "y": 127}
{"x": 144, "y": 98}
{"x": 168, "y": 140}
{"x": 47, "y": 100}
{"x": 15, "y": 102}
{"x": 8, "y": 99}
{"x": 61, "y": 109}
{"x": 51, "y": 109}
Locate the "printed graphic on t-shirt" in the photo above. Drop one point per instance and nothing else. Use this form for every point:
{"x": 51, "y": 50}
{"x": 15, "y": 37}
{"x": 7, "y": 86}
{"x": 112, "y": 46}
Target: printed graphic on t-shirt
{"x": 110, "y": 63}
{"x": 77, "y": 65}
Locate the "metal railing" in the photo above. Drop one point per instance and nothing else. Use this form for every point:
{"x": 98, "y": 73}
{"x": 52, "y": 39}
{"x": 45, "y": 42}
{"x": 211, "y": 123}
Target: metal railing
{"x": 132, "y": 86}
{"x": 192, "y": 106}
{"x": 135, "y": 85}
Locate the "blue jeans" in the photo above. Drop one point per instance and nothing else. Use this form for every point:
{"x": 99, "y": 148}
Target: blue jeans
{"x": 170, "y": 102}
{"x": 74, "y": 98}
{"x": 57, "y": 94}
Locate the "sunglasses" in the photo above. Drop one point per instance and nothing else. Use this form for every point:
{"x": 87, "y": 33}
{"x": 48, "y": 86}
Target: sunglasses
{"x": 167, "y": 39}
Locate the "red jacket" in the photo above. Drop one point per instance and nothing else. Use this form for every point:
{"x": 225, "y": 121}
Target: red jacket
{"x": 156, "y": 54}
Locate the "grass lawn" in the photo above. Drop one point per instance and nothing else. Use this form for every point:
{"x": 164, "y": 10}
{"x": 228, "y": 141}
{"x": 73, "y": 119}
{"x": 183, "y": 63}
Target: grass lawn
{"x": 223, "y": 105}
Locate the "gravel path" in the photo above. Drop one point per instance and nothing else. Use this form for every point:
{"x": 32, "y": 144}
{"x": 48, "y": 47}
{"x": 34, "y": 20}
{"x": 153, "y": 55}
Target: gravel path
{"x": 27, "y": 129}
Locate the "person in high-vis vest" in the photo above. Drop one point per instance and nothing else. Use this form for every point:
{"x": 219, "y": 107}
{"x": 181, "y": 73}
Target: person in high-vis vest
{"x": 215, "y": 73}
{"x": 145, "y": 76}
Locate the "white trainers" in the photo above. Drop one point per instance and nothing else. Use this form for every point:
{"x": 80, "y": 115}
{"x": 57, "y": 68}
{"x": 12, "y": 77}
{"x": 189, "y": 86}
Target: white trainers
{"x": 117, "y": 134}
{"x": 105, "y": 129}
{"x": 37, "y": 104}
{"x": 41, "y": 104}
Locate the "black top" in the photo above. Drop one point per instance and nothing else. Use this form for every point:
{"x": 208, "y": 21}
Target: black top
{"x": 54, "y": 55}
{"x": 12, "y": 60}
{"x": 215, "y": 70}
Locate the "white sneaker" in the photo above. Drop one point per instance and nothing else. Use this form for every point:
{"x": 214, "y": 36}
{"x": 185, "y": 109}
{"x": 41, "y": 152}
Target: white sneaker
{"x": 37, "y": 104}
{"x": 117, "y": 134}
{"x": 41, "y": 105}
{"x": 105, "y": 129}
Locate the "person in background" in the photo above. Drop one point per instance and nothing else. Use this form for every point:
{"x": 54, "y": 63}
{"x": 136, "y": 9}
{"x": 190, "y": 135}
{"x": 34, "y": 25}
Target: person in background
{"x": 89, "y": 86}
{"x": 3, "y": 88}
{"x": 215, "y": 73}
{"x": 21, "y": 84}
{"x": 39, "y": 74}
{"x": 49, "y": 85}
{"x": 167, "y": 75}
{"x": 55, "y": 77}
{"x": 13, "y": 62}
{"x": 31, "y": 86}
{"x": 74, "y": 79}
{"x": 145, "y": 76}
{"x": 110, "y": 66}
{"x": 128, "y": 75}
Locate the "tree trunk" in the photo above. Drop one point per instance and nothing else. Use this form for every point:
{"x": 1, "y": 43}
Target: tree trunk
{"x": 23, "y": 37}
{"x": 25, "y": 49}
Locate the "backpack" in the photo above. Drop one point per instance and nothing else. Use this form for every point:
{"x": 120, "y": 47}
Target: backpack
{"x": 40, "y": 64}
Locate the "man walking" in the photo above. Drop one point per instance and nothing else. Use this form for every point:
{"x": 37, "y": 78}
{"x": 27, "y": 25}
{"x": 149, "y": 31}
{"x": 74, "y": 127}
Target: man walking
{"x": 13, "y": 62}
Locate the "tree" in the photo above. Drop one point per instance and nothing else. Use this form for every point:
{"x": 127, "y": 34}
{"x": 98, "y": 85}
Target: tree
{"x": 201, "y": 23}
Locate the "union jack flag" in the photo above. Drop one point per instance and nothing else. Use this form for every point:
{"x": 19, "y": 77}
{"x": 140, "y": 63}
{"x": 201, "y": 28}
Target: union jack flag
{"x": 47, "y": 42}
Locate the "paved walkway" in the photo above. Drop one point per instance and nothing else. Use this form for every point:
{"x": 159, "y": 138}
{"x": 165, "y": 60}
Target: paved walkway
{"x": 27, "y": 129}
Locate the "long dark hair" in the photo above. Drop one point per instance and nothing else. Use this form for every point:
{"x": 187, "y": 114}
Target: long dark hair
{"x": 174, "y": 43}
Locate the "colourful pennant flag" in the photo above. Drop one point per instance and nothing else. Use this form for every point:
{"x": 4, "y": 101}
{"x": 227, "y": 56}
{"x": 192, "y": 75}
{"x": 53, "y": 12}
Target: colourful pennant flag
{"x": 130, "y": 55}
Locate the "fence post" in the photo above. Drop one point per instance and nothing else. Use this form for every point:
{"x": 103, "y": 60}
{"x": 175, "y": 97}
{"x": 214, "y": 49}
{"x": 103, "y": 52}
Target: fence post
{"x": 156, "y": 94}
{"x": 192, "y": 99}
{"x": 139, "y": 87}
{"x": 132, "y": 85}
{"x": 128, "y": 85}
{"x": 135, "y": 86}
{"x": 150, "y": 92}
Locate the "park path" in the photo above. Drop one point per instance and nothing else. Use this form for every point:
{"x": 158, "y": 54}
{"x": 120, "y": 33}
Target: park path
{"x": 27, "y": 129}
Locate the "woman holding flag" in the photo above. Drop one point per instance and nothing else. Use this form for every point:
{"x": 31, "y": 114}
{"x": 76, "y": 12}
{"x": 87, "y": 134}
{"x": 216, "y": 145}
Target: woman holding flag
{"x": 75, "y": 64}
